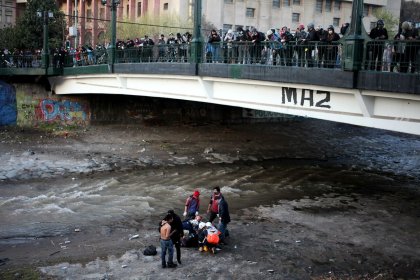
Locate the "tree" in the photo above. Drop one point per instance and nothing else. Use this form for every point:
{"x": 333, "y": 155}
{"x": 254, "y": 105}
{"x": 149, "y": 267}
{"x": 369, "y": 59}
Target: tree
{"x": 8, "y": 38}
{"x": 410, "y": 11}
{"x": 391, "y": 22}
{"x": 30, "y": 25}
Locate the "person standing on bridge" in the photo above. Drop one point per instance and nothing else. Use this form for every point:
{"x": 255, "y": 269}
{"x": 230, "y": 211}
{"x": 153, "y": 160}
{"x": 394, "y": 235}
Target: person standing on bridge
{"x": 213, "y": 45}
{"x": 379, "y": 34}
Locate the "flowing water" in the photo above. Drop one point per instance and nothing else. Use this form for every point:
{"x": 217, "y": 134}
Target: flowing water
{"x": 58, "y": 206}
{"x": 346, "y": 194}
{"x": 347, "y": 160}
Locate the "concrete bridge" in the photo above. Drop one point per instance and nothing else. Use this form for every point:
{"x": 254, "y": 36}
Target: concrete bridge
{"x": 381, "y": 100}
{"x": 348, "y": 94}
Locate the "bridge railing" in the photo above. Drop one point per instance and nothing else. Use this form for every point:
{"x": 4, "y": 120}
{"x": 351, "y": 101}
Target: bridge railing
{"x": 316, "y": 54}
{"x": 27, "y": 60}
{"x": 385, "y": 56}
{"x": 312, "y": 54}
{"x": 401, "y": 56}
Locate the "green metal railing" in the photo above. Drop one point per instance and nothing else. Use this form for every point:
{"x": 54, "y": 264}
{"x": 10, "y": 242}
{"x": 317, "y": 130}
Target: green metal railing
{"x": 388, "y": 56}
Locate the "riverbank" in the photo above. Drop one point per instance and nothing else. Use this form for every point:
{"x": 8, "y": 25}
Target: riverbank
{"x": 346, "y": 208}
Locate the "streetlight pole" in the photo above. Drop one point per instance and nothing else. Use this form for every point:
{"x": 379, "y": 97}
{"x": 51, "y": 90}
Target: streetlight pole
{"x": 112, "y": 46}
{"x": 45, "y": 15}
{"x": 76, "y": 19}
{"x": 354, "y": 40}
{"x": 197, "y": 41}
{"x": 45, "y": 48}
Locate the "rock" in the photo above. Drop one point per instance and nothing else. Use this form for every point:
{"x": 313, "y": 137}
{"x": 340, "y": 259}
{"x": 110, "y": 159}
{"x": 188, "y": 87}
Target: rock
{"x": 134, "y": 237}
{"x": 208, "y": 150}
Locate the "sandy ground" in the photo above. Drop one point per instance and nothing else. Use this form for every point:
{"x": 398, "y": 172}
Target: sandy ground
{"x": 323, "y": 234}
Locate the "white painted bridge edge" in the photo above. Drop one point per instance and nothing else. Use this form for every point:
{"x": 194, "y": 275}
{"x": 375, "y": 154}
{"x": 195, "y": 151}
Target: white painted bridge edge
{"x": 383, "y": 110}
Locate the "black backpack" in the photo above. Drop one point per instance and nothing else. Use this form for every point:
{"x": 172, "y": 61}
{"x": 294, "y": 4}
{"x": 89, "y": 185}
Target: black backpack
{"x": 150, "y": 251}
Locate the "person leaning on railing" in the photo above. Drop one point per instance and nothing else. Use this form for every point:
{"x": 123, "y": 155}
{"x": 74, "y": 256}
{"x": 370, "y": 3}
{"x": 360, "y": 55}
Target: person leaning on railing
{"x": 322, "y": 46}
{"x": 213, "y": 45}
{"x": 286, "y": 52}
{"x": 379, "y": 34}
{"x": 257, "y": 38}
{"x": 332, "y": 47}
{"x": 242, "y": 43}
{"x": 406, "y": 48}
{"x": 309, "y": 43}
{"x": 230, "y": 51}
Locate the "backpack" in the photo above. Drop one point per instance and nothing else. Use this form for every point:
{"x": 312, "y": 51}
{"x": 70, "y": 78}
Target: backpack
{"x": 213, "y": 238}
{"x": 150, "y": 251}
{"x": 191, "y": 240}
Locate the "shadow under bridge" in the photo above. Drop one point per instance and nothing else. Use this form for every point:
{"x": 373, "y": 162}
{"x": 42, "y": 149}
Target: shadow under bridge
{"x": 365, "y": 98}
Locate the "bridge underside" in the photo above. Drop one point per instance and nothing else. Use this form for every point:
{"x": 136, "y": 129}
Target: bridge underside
{"x": 384, "y": 110}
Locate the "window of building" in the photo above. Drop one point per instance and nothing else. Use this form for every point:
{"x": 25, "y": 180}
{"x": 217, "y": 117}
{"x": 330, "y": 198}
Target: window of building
{"x": 165, "y": 6}
{"x": 336, "y": 21}
{"x": 138, "y": 9}
{"x": 8, "y": 3}
{"x": 328, "y": 5}
{"x": 365, "y": 10}
{"x": 226, "y": 27}
{"x": 337, "y": 5}
{"x": 102, "y": 13}
{"x": 1, "y": 18}
{"x": 295, "y": 17}
{"x": 286, "y": 3}
{"x": 318, "y": 7}
{"x": 88, "y": 15}
{"x": 250, "y": 12}
{"x": 228, "y": 1}
{"x": 296, "y": 2}
{"x": 8, "y": 16}
{"x": 276, "y": 3}
{"x": 101, "y": 37}
{"x": 127, "y": 10}
{"x": 88, "y": 38}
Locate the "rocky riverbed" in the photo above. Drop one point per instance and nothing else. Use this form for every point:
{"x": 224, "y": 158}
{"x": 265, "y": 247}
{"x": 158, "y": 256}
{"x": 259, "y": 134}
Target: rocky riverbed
{"x": 308, "y": 199}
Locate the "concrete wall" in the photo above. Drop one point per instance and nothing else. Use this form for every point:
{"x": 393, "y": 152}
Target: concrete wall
{"x": 8, "y": 110}
{"x": 30, "y": 105}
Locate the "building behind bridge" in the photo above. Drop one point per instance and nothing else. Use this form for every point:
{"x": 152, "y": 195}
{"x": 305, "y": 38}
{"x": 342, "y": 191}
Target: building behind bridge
{"x": 224, "y": 14}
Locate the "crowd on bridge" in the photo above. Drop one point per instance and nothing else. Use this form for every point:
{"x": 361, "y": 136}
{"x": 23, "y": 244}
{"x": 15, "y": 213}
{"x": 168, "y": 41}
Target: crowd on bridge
{"x": 307, "y": 46}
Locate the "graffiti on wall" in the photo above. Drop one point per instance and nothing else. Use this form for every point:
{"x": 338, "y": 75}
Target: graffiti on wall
{"x": 64, "y": 110}
{"x": 8, "y": 111}
{"x": 34, "y": 109}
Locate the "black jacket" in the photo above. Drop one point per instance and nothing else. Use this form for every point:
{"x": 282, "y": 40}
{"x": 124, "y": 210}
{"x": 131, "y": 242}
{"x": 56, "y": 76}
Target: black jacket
{"x": 176, "y": 225}
{"x": 224, "y": 211}
{"x": 376, "y": 33}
